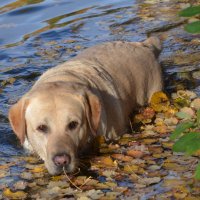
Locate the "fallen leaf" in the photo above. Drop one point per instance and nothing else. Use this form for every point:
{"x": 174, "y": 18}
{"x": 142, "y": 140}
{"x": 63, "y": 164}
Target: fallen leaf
{"x": 195, "y": 104}
{"x": 161, "y": 129}
{"x": 171, "y": 183}
{"x": 107, "y": 161}
{"x": 39, "y": 169}
{"x": 135, "y": 153}
{"x": 83, "y": 198}
{"x": 188, "y": 111}
{"x": 183, "y": 115}
{"x": 26, "y": 175}
{"x": 14, "y": 195}
{"x": 109, "y": 173}
{"x": 186, "y": 94}
{"x": 150, "y": 181}
{"x": 171, "y": 121}
{"x": 131, "y": 168}
{"x": 150, "y": 141}
{"x": 159, "y": 102}
{"x": 112, "y": 195}
{"x": 122, "y": 157}
{"x": 20, "y": 185}
{"x": 95, "y": 194}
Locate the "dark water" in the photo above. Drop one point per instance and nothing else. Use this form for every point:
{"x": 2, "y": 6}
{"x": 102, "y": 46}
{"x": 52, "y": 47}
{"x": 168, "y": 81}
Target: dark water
{"x": 38, "y": 34}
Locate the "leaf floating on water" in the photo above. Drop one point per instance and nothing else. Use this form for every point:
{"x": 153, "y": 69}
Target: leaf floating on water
{"x": 20, "y": 185}
{"x": 159, "y": 102}
{"x": 26, "y": 175}
{"x": 8, "y": 81}
{"x": 14, "y": 195}
{"x": 39, "y": 169}
{"x": 31, "y": 159}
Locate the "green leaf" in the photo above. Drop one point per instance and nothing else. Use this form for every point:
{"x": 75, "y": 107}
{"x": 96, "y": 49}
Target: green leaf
{"x": 188, "y": 143}
{"x": 183, "y": 115}
{"x": 197, "y": 171}
{"x": 180, "y": 129}
{"x": 190, "y": 11}
{"x": 198, "y": 117}
{"x": 193, "y": 27}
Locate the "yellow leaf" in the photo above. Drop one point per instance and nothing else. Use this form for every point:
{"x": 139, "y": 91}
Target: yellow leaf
{"x": 58, "y": 178}
{"x": 108, "y": 161}
{"x": 131, "y": 168}
{"x": 39, "y": 169}
{"x": 111, "y": 184}
{"x": 30, "y": 159}
{"x": 14, "y": 195}
{"x": 159, "y": 102}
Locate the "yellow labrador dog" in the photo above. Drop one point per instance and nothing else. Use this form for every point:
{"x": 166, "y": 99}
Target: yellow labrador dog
{"x": 89, "y": 95}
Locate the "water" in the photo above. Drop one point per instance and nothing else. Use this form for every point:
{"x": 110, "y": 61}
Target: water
{"x": 27, "y": 28}
{"x": 38, "y": 34}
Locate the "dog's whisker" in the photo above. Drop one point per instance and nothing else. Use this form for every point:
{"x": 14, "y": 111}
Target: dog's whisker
{"x": 78, "y": 188}
{"x": 76, "y": 172}
{"x": 83, "y": 165}
{"x": 88, "y": 179}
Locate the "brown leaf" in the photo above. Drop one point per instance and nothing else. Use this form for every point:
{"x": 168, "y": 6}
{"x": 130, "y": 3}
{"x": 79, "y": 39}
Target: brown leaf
{"x": 135, "y": 153}
{"x": 122, "y": 157}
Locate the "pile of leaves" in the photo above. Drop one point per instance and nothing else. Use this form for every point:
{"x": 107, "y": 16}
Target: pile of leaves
{"x": 141, "y": 165}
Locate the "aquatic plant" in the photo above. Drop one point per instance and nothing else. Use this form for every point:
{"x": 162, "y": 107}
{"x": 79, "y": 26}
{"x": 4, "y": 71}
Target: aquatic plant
{"x": 192, "y": 11}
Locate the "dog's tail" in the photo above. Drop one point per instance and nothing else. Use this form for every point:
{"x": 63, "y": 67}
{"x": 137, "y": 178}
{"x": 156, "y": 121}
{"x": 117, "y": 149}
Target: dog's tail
{"x": 155, "y": 44}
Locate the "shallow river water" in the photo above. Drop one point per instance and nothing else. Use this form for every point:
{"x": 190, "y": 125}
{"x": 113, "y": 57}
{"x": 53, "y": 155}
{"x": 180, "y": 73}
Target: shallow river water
{"x": 38, "y": 34}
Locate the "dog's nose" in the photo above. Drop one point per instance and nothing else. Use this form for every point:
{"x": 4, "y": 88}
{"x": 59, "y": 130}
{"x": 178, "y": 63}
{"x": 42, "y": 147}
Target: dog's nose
{"x": 61, "y": 160}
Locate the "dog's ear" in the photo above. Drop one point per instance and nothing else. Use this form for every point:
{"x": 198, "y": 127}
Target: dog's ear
{"x": 16, "y": 117}
{"x": 155, "y": 44}
{"x": 93, "y": 112}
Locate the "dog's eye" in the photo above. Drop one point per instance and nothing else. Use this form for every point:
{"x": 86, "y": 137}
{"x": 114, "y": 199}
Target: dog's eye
{"x": 72, "y": 125}
{"x": 42, "y": 128}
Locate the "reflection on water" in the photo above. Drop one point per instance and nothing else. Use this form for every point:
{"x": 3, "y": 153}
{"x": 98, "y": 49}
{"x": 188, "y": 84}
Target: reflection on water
{"x": 38, "y": 34}
{"x": 24, "y": 18}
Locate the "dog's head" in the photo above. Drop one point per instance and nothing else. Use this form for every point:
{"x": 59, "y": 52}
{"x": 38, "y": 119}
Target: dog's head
{"x": 57, "y": 122}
